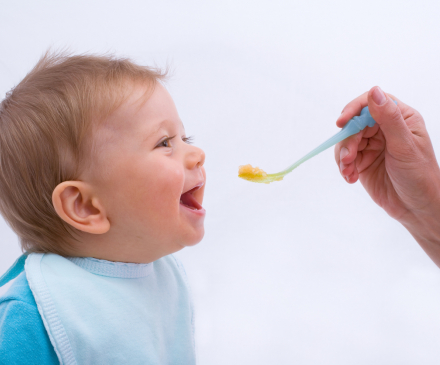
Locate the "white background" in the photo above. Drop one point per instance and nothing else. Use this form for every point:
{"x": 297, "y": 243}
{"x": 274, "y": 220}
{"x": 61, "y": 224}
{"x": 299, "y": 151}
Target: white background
{"x": 304, "y": 271}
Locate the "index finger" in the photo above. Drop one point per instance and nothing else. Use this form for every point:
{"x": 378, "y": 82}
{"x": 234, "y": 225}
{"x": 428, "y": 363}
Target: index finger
{"x": 352, "y": 109}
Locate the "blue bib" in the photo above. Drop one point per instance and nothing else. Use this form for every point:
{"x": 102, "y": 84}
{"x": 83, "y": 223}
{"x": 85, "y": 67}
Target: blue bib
{"x": 101, "y": 312}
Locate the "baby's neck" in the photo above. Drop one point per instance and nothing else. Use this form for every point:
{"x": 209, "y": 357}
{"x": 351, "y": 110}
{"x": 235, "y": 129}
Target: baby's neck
{"x": 106, "y": 247}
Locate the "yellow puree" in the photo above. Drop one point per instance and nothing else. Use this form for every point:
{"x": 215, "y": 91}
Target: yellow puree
{"x": 255, "y": 174}
{"x": 248, "y": 172}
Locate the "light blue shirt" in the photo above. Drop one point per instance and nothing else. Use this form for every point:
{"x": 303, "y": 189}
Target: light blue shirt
{"x": 97, "y": 312}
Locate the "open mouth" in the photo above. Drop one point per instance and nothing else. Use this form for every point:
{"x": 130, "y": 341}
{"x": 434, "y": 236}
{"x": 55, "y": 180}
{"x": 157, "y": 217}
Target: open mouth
{"x": 187, "y": 199}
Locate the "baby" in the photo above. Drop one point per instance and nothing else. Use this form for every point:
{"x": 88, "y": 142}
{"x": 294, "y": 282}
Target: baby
{"x": 102, "y": 185}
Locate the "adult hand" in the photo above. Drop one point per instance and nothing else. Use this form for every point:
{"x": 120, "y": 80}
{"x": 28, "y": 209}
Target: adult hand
{"x": 396, "y": 164}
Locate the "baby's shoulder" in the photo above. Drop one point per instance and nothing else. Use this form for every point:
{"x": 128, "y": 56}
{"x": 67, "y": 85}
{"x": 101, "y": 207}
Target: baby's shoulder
{"x": 24, "y": 339}
{"x": 19, "y": 292}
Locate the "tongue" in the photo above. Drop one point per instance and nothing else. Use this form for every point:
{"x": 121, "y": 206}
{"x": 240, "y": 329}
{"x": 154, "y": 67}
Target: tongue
{"x": 188, "y": 200}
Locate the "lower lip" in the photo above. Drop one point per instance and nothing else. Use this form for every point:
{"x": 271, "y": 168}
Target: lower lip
{"x": 197, "y": 212}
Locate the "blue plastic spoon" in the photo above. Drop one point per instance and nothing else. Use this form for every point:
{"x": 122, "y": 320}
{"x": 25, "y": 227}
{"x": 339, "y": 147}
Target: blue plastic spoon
{"x": 354, "y": 125}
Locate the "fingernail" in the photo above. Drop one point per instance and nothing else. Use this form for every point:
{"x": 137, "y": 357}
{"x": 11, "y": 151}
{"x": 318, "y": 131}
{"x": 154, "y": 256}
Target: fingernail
{"x": 344, "y": 152}
{"x": 346, "y": 178}
{"x": 378, "y": 96}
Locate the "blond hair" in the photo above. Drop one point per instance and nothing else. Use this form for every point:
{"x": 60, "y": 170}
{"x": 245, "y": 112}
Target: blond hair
{"x": 46, "y": 130}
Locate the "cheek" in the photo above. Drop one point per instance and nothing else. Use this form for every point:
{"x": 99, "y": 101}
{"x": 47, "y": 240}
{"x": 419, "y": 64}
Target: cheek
{"x": 144, "y": 192}
{"x": 162, "y": 191}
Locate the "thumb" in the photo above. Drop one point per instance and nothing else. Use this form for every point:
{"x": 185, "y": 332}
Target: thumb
{"x": 389, "y": 117}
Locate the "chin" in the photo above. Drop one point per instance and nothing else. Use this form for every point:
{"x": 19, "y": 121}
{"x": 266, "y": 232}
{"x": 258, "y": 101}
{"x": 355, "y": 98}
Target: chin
{"x": 195, "y": 238}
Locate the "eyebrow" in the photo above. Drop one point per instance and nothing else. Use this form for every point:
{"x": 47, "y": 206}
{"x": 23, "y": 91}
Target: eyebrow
{"x": 159, "y": 127}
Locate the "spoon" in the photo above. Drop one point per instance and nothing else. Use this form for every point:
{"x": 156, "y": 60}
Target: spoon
{"x": 354, "y": 125}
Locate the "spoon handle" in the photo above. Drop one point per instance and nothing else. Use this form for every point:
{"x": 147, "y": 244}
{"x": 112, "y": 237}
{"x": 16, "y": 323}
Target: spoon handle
{"x": 354, "y": 125}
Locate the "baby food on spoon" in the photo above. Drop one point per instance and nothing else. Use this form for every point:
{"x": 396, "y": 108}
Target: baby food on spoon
{"x": 255, "y": 174}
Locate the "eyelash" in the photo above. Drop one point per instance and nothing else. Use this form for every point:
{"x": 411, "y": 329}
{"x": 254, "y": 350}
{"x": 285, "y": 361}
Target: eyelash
{"x": 188, "y": 140}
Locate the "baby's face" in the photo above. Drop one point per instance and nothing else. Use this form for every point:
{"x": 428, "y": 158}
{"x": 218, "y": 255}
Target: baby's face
{"x": 150, "y": 179}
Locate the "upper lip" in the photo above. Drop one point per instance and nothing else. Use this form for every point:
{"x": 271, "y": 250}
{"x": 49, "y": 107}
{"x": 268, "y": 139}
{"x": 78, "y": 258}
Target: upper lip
{"x": 195, "y": 187}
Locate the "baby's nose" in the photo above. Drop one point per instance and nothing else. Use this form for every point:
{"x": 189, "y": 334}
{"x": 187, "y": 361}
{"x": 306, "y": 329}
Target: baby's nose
{"x": 195, "y": 158}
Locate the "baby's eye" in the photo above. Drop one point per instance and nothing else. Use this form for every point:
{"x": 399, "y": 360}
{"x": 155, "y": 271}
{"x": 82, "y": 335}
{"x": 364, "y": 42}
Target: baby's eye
{"x": 165, "y": 142}
{"x": 188, "y": 140}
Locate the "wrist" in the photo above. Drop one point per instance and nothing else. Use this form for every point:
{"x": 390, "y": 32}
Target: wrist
{"x": 424, "y": 226}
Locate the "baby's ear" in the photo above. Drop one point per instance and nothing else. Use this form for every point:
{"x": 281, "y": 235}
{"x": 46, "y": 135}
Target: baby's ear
{"x": 76, "y": 204}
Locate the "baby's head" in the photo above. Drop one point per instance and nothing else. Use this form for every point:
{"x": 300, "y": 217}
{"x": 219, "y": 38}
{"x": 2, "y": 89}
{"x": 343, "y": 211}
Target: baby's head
{"x": 94, "y": 161}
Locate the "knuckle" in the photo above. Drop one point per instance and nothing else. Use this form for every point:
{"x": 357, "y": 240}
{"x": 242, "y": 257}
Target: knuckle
{"x": 418, "y": 116}
{"x": 395, "y": 115}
